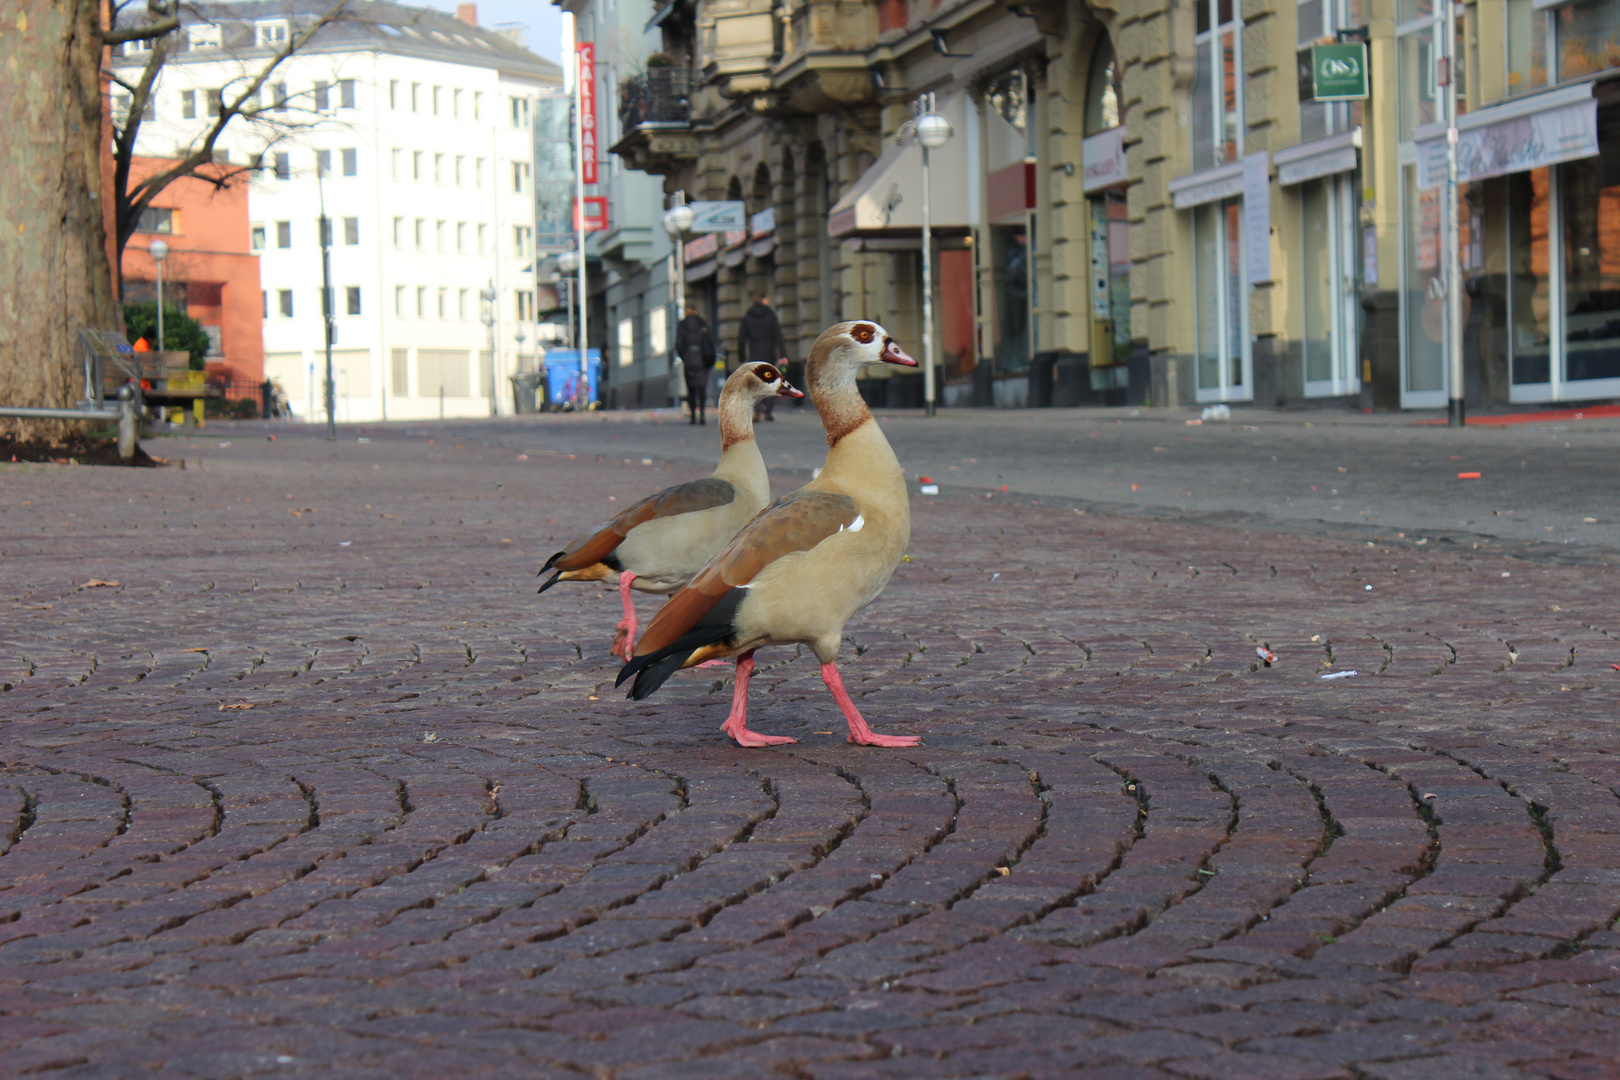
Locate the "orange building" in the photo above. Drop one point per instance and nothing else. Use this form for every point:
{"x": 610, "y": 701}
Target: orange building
{"x": 212, "y": 271}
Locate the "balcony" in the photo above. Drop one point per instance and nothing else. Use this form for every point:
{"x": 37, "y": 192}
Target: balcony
{"x": 655, "y": 113}
{"x": 657, "y": 98}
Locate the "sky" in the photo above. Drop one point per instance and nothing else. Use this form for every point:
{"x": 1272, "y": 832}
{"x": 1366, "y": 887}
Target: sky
{"x": 543, "y": 19}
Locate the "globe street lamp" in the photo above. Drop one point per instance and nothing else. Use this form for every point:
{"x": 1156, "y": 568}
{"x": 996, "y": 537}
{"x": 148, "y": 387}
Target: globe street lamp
{"x": 567, "y": 263}
{"x": 933, "y": 131}
{"x": 159, "y": 250}
{"x": 678, "y": 219}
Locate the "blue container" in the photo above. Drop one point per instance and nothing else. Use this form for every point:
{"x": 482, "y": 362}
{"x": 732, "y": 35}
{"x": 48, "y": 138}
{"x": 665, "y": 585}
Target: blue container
{"x": 562, "y": 374}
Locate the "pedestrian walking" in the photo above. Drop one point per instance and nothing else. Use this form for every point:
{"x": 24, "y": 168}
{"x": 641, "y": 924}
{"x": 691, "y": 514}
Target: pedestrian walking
{"x": 695, "y": 345}
{"x": 759, "y": 339}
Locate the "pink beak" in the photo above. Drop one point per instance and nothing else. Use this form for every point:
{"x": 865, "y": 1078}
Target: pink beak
{"x": 788, "y": 390}
{"x": 894, "y": 354}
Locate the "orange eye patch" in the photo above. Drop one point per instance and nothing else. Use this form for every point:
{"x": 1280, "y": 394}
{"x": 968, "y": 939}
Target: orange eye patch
{"x": 863, "y": 332}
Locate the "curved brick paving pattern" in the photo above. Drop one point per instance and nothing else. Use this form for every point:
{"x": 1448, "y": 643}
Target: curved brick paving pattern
{"x": 277, "y": 803}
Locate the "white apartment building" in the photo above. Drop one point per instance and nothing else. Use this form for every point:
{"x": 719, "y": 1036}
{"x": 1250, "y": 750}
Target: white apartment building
{"x": 414, "y": 128}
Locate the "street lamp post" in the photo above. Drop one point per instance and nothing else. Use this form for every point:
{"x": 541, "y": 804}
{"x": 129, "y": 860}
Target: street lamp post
{"x": 933, "y": 131}
{"x": 1447, "y": 29}
{"x": 677, "y": 219}
{"x": 159, "y": 250}
{"x": 568, "y": 262}
{"x": 488, "y": 295}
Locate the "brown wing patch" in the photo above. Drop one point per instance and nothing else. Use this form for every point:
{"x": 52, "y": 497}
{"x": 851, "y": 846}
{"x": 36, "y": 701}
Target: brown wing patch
{"x": 688, "y": 498}
{"x": 796, "y": 522}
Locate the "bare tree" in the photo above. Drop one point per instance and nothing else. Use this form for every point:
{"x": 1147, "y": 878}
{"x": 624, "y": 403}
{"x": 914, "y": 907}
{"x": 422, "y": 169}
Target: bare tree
{"x": 55, "y": 269}
{"x": 241, "y": 99}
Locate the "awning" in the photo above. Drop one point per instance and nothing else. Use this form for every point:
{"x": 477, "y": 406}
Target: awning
{"x": 699, "y": 271}
{"x": 1515, "y": 136}
{"x": 763, "y": 246}
{"x": 1319, "y": 157}
{"x": 664, "y": 11}
{"x": 887, "y": 199}
{"x": 1211, "y": 185}
{"x": 735, "y": 256}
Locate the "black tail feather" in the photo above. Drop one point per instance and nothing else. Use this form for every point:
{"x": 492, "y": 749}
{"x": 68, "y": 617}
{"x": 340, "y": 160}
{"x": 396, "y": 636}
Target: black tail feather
{"x": 651, "y": 670}
{"x": 551, "y": 562}
{"x": 549, "y": 582}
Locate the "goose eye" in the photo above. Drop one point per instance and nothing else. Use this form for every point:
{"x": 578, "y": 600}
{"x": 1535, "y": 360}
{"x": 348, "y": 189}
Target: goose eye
{"x": 864, "y": 333}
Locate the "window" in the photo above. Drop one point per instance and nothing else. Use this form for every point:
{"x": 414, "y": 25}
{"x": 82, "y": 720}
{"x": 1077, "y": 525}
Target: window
{"x": 416, "y": 96}
{"x": 188, "y": 104}
{"x": 285, "y": 296}
{"x": 256, "y": 234}
{"x": 525, "y": 305}
{"x": 271, "y": 33}
{"x": 455, "y": 104}
{"x": 278, "y": 97}
{"x": 1419, "y": 96}
{"x": 460, "y": 169}
{"x": 520, "y": 112}
{"x": 461, "y": 236}
{"x": 438, "y": 92}
{"x": 346, "y": 93}
{"x": 478, "y": 104}
{"x": 283, "y": 234}
{"x": 416, "y": 166}
{"x": 393, "y": 93}
{"x": 439, "y": 235}
{"x": 1588, "y": 37}
{"x": 438, "y": 168}
{"x": 264, "y": 303}
{"x": 520, "y": 176}
{"x": 400, "y": 360}
{"x": 203, "y": 36}
{"x": 444, "y": 303}
{"x": 323, "y": 163}
{"x": 627, "y": 341}
{"x": 351, "y": 231}
{"x": 399, "y": 301}
{"x": 463, "y": 302}
{"x": 283, "y": 167}
{"x": 521, "y": 235}
{"x": 213, "y": 102}
{"x": 351, "y": 162}
{"x": 155, "y": 220}
{"x": 325, "y": 231}
{"x": 399, "y": 232}
{"x": 421, "y": 233}
{"x": 478, "y": 173}
{"x": 121, "y": 107}
{"x": 323, "y": 97}
{"x": 421, "y": 302}
{"x": 1217, "y": 93}
{"x": 396, "y": 158}
{"x": 352, "y": 299}
{"x": 483, "y": 243}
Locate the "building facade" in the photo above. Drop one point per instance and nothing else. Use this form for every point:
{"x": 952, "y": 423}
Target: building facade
{"x": 631, "y": 316}
{"x": 403, "y": 139}
{"x": 1146, "y": 203}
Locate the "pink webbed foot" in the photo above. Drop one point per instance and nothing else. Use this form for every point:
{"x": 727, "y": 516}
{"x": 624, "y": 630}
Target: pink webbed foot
{"x": 859, "y": 732}
{"x": 624, "y": 635}
{"x": 736, "y": 724}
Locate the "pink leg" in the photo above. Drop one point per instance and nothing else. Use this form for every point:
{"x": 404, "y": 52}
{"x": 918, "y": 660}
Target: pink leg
{"x": 624, "y": 635}
{"x": 858, "y": 731}
{"x": 736, "y": 724}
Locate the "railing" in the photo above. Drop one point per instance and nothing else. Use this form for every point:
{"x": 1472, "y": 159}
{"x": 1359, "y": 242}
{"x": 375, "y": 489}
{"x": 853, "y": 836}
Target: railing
{"x": 658, "y": 96}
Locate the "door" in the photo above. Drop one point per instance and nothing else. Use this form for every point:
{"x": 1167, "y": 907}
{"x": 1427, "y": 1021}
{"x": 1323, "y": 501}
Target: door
{"x": 1332, "y": 310}
{"x": 1222, "y": 360}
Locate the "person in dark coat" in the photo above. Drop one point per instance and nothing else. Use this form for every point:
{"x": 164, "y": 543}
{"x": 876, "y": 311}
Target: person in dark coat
{"x": 695, "y": 346}
{"x": 759, "y": 338}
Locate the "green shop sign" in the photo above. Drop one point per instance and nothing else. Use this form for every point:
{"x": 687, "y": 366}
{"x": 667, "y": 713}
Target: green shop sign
{"x": 1337, "y": 72}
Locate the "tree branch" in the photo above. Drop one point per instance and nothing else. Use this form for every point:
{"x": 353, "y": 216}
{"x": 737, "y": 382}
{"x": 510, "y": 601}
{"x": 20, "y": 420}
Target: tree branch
{"x": 147, "y": 32}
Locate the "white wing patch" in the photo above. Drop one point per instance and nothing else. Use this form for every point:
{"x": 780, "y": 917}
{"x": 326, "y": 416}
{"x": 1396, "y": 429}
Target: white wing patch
{"x": 855, "y": 526}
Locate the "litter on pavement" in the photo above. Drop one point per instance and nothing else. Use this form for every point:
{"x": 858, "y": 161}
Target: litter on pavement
{"x": 1339, "y": 674}
{"x": 1216, "y": 412}
{"x": 1265, "y": 654}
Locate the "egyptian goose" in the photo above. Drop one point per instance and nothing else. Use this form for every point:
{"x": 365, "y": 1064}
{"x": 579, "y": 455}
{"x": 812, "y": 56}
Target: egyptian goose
{"x": 798, "y": 572}
{"x": 657, "y": 544}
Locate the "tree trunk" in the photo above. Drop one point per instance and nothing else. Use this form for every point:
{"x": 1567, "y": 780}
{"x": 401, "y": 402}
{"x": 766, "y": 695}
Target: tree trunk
{"x": 55, "y": 275}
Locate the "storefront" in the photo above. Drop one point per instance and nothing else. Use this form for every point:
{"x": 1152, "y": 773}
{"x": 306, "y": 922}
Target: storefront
{"x": 1105, "y": 180}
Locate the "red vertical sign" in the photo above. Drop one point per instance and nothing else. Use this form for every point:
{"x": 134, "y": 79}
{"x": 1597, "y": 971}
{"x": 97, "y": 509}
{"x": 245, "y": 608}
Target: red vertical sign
{"x": 587, "y": 111}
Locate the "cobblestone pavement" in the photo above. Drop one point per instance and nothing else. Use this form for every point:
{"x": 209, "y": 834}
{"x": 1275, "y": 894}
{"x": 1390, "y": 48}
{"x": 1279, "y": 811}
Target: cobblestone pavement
{"x": 320, "y": 787}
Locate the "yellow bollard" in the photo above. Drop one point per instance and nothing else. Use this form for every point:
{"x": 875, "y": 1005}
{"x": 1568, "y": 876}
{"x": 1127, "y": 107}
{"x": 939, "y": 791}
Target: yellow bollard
{"x": 197, "y": 412}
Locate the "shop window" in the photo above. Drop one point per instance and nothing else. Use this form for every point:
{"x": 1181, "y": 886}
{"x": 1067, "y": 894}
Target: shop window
{"x": 1424, "y": 303}
{"x": 1009, "y": 249}
{"x": 1217, "y": 93}
{"x": 627, "y": 342}
{"x": 1529, "y": 219}
{"x": 1588, "y": 38}
{"x": 1591, "y": 262}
